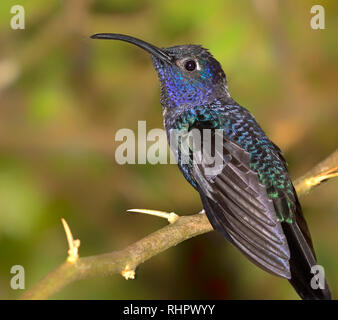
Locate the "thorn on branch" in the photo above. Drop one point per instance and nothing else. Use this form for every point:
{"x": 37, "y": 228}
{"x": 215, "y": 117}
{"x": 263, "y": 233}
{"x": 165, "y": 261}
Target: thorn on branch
{"x": 170, "y": 216}
{"x": 73, "y": 252}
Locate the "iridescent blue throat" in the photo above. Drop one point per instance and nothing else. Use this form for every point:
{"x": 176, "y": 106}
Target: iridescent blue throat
{"x": 178, "y": 89}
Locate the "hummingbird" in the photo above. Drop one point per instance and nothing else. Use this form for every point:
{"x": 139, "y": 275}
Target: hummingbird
{"x": 250, "y": 198}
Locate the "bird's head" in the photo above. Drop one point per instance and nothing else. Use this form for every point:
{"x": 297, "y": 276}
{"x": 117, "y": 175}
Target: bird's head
{"x": 189, "y": 74}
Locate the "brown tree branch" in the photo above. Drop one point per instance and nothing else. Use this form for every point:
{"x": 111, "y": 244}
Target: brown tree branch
{"x": 323, "y": 171}
{"x": 125, "y": 261}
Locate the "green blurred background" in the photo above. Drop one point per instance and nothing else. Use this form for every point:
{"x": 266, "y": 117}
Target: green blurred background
{"x": 64, "y": 96}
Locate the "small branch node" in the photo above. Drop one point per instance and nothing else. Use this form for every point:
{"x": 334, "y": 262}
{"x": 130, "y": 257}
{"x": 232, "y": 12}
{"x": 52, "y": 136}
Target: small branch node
{"x": 128, "y": 274}
{"x": 73, "y": 252}
{"x": 328, "y": 174}
{"x": 170, "y": 216}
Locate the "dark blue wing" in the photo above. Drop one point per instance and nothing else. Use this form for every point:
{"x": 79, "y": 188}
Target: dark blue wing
{"x": 238, "y": 206}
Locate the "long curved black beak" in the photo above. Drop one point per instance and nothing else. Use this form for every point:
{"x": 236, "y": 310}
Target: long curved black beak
{"x": 155, "y": 51}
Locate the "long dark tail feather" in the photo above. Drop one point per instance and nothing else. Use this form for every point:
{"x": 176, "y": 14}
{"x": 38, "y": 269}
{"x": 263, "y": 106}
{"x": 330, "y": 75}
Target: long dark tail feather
{"x": 303, "y": 256}
{"x": 301, "y": 262}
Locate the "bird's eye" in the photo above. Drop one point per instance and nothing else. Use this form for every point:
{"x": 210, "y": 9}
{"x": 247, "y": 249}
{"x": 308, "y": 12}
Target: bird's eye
{"x": 190, "y": 65}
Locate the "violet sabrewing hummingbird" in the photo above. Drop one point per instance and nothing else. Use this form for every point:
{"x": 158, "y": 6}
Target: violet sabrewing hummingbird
{"x": 250, "y": 200}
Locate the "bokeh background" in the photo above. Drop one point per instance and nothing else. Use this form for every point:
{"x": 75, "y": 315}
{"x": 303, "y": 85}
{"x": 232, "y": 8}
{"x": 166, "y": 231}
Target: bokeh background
{"x": 64, "y": 96}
